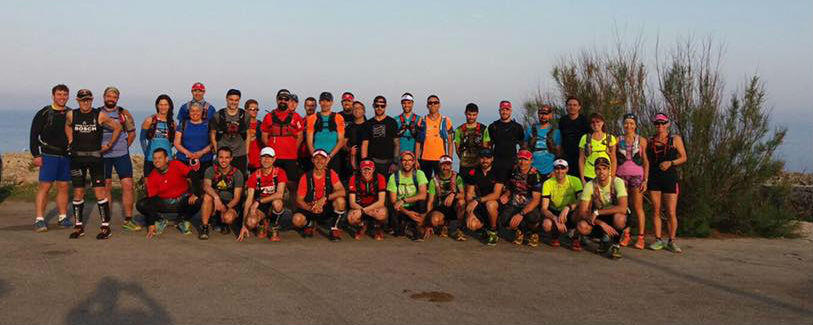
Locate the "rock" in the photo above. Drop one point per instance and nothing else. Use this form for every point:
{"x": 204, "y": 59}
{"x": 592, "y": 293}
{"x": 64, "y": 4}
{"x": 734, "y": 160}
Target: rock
{"x": 18, "y": 168}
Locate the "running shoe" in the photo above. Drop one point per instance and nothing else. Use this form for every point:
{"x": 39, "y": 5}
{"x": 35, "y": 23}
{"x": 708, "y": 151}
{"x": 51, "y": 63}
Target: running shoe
{"x": 674, "y": 248}
{"x": 640, "y": 243}
{"x": 66, "y": 222}
{"x": 615, "y": 252}
{"x": 216, "y": 227}
{"x": 78, "y": 231}
{"x": 160, "y": 226}
{"x": 204, "y": 232}
{"x": 307, "y": 231}
{"x": 603, "y": 247}
{"x": 519, "y": 237}
{"x": 492, "y": 238}
{"x": 444, "y": 231}
{"x": 185, "y": 227}
{"x": 428, "y": 232}
{"x": 360, "y": 232}
{"x": 379, "y": 234}
{"x": 459, "y": 235}
{"x": 626, "y": 239}
{"x": 40, "y": 226}
{"x": 262, "y": 229}
{"x": 274, "y": 234}
{"x": 555, "y": 242}
{"x": 105, "y": 233}
{"x": 534, "y": 240}
{"x": 130, "y": 225}
{"x": 657, "y": 245}
{"x": 576, "y": 245}
{"x": 335, "y": 234}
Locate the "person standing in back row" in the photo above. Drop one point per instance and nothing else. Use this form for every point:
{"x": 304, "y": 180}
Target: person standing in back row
{"x": 229, "y": 128}
{"x": 572, "y": 127}
{"x": 118, "y": 156}
{"x": 407, "y": 124}
{"x": 435, "y": 133}
{"x": 506, "y": 136}
{"x": 325, "y": 130}
{"x": 198, "y": 90}
{"x": 282, "y": 131}
{"x": 380, "y": 141}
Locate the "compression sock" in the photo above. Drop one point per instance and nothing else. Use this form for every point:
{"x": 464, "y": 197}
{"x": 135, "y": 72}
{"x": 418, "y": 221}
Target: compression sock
{"x": 78, "y": 211}
{"x": 104, "y": 212}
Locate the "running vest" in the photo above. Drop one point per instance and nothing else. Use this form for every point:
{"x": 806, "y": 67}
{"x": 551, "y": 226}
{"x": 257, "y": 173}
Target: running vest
{"x": 311, "y": 187}
{"x": 154, "y": 127}
{"x": 318, "y": 123}
{"x": 443, "y": 132}
{"x": 231, "y": 127}
{"x": 87, "y": 133}
{"x": 549, "y": 145}
{"x": 368, "y": 190}
{"x": 281, "y": 128}
{"x": 588, "y": 144}
{"x": 259, "y": 187}
{"x": 471, "y": 143}
{"x": 407, "y": 125}
{"x": 445, "y": 187}
{"x": 223, "y": 181}
{"x": 398, "y": 181}
{"x": 597, "y": 194}
{"x": 633, "y": 152}
{"x": 205, "y": 106}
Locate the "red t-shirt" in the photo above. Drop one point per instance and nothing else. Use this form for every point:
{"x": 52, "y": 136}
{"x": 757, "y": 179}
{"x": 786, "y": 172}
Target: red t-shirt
{"x": 318, "y": 185}
{"x": 283, "y": 138}
{"x": 267, "y": 184}
{"x": 171, "y": 184}
{"x": 366, "y": 194}
{"x": 254, "y": 147}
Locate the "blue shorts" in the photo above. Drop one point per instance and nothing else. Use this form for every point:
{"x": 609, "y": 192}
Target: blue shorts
{"x": 123, "y": 166}
{"x": 55, "y": 169}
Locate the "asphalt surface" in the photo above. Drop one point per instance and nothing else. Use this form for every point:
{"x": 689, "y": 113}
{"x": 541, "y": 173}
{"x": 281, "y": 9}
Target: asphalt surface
{"x": 45, "y": 278}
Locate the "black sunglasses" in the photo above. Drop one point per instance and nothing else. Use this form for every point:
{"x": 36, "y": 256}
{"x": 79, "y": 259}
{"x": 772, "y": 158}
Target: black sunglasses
{"x": 380, "y": 105}
{"x": 661, "y": 123}
{"x": 433, "y": 102}
{"x": 559, "y": 167}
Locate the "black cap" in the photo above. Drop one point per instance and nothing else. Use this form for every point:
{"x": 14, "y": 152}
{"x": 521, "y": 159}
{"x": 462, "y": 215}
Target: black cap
{"x": 234, "y": 92}
{"x": 84, "y": 94}
{"x": 283, "y": 93}
{"x": 486, "y": 153}
{"x": 325, "y": 95}
{"x": 295, "y": 98}
{"x": 601, "y": 161}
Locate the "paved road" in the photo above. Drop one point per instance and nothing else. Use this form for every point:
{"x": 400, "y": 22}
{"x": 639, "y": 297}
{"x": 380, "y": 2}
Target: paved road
{"x": 46, "y": 278}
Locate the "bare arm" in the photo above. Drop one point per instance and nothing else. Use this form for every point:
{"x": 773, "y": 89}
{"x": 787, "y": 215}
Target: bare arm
{"x": 364, "y": 146}
{"x": 681, "y": 149}
{"x": 498, "y": 187}
{"x": 338, "y": 191}
{"x": 69, "y": 126}
{"x": 105, "y": 120}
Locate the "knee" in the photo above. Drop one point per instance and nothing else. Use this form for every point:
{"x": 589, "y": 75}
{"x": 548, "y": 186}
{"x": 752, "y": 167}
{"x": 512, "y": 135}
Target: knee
{"x": 584, "y": 228}
{"x": 229, "y": 216}
{"x": 492, "y": 205}
{"x": 339, "y": 204}
{"x": 354, "y": 217}
{"x": 277, "y": 205}
{"x": 619, "y": 221}
{"x": 547, "y": 224}
{"x": 126, "y": 184}
{"x": 298, "y": 220}
{"x": 437, "y": 219}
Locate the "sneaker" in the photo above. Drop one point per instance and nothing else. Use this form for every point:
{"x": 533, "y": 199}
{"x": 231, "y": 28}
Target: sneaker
{"x": 519, "y": 237}
{"x": 262, "y": 229}
{"x": 615, "y": 252}
{"x": 603, "y": 247}
{"x": 674, "y": 248}
{"x": 307, "y": 231}
{"x": 105, "y": 233}
{"x": 78, "y": 231}
{"x": 335, "y": 234}
{"x": 576, "y": 245}
{"x": 185, "y": 227}
{"x": 204, "y": 232}
{"x": 428, "y": 232}
{"x": 40, "y": 226}
{"x": 444, "y": 231}
{"x": 225, "y": 229}
{"x": 625, "y": 240}
{"x": 657, "y": 245}
{"x": 640, "y": 243}
{"x": 379, "y": 234}
{"x": 491, "y": 238}
{"x": 160, "y": 226}
{"x": 534, "y": 240}
{"x": 360, "y": 232}
{"x": 555, "y": 242}
{"x": 216, "y": 227}
{"x": 130, "y": 225}
{"x": 459, "y": 235}
{"x": 274, "y": 234}
{"x": 66, "y": 222}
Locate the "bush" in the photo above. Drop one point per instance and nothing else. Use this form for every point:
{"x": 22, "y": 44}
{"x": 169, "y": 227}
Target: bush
{"x": 730, "y": 147}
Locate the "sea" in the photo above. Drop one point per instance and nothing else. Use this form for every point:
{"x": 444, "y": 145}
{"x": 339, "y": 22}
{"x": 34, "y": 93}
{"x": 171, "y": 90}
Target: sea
{"x": 796, "y": 151}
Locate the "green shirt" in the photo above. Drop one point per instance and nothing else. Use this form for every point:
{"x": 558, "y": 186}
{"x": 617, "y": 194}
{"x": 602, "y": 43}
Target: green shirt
{"x": 470, "y": 156}
{"x": 598, "y": 148}
{"x": 561, "y": 195}
{"x": 406, "y": 187}
{"x": 445, "y": 189}
{"x": 606, "y": 200}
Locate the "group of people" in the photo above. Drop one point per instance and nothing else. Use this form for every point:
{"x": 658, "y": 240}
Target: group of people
{"x": 341, "y": 171}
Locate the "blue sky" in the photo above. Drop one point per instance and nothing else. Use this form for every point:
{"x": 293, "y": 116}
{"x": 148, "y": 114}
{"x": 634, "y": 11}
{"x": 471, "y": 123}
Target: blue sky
{"x": 461, "y": 50}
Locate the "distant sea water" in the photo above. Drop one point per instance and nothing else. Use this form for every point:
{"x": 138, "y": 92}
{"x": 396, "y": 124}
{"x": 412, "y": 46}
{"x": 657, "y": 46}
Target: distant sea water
{"x": 796, "y": 150}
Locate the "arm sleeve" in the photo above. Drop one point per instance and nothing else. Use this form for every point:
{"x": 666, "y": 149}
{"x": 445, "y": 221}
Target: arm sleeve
{"x": 145, "y": 144}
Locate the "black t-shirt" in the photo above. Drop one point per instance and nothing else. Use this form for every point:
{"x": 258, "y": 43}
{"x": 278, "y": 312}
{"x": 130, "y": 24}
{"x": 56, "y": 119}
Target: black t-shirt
{"x": 506, "y": 137}
{"x": 572, "y": 131}
{"x": 355, "y": 133}
{"x": 483, "y": 182}
{"x": 522, "y": 186}
{"x": 380, "y": 135}
{"x": 48, "y": 132}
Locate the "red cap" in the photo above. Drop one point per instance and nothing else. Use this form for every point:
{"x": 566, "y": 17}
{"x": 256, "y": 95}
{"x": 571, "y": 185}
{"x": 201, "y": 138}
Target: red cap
{"x": 525, "y": 154}
{"x": 505, "y": 104}
{"x": 348, "y": 96}
{"x": 198, "y": 86}
{"x": 367, "y": 164}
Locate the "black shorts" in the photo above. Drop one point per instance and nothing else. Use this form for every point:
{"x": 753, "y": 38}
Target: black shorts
{"x": 449, "y": 213}
{"x": 664, "y": 182}
{"x": 481, "y": 213}
{"x": 325, "y": 217}
{"x": 82, "y": 166}
{"x": 508, "y": 211}
{"x": 598, "y": 231}
{"x": 570, "y": 223}
{"x": 290, "y": 167}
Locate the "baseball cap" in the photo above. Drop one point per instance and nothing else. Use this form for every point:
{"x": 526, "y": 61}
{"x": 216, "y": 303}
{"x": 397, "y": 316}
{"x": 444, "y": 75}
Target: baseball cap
{"x": 407, "y": 152}
{"x": 348, "y": 96}
{"x": 283, "y": 93}
{"x": 84, "y": 94}
{"x": 601, "y": 161}
{"x": 367, "y": 163}
{"x": 630, "y": 116}
{"x": 661, "y": 117}
{"x": 326, "y": 96}
{"x": 407, "y": 96}
{"x": 486, "y": 153}
{"x": 111, "y": 89}
{"x": 198, "y": 86}
{"x": 268, "y": 151}
{"x": 525, "y": 154}
{"x": 320, "y": 152}
{"x": 445, "y": 159}
{"x": 505, "y": 104}
{"x": 545, "y": 109}
{"x": 295, "y": 98}
{"x": 560, "y": 162}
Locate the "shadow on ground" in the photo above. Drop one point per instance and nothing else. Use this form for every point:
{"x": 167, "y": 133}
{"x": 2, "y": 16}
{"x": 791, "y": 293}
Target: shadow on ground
{"x": 105, "y": 306}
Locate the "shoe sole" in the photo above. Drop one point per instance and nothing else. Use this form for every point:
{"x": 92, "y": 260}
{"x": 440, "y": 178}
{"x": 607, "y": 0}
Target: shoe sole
{"x": 103, "y": 238}
{"x": 77, "y": 237}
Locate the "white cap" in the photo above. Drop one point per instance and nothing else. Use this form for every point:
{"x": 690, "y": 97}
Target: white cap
{"x": 407, "y": 97}
{"x": 268, "y": 151}
{"x": 560, "y": 162}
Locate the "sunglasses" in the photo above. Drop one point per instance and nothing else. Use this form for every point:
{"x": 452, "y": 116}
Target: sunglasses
{"x": 661, "y": 123}
{"x": 544, "y": 113}
{"x": 282, "y": 99}
{"x": 434, "y": 102}
{"x": 559, "y": 167}
{"x": 253, "y": 109}
{"x": 379, "y": 105}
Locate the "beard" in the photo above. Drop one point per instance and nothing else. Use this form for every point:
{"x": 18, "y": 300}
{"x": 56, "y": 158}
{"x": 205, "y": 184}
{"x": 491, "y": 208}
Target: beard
{"x": 109, "y": 104}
